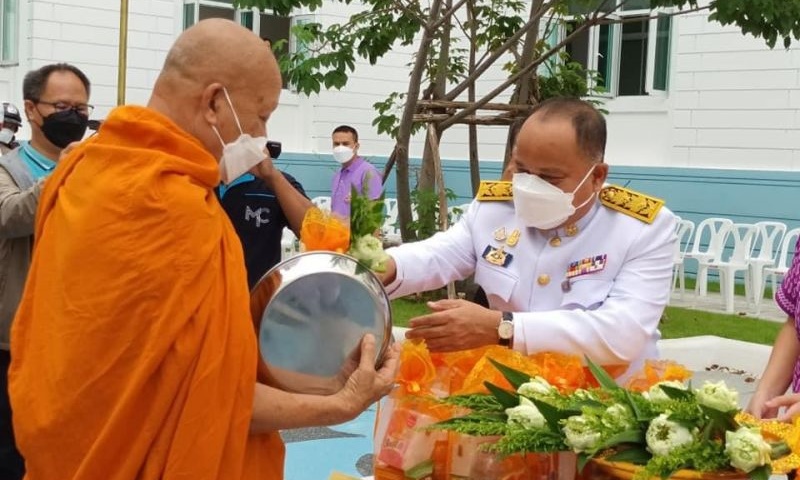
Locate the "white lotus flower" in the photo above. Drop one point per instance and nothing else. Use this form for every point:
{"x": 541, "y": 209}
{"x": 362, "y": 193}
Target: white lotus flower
{"x": 663, "y": 435}
{"x": 657, "y": 395}
{"x": 718, "y": 396}
{"x": 580, "y": 434}
{"x": 526, "y": 415}
{"x": 747, "y": 448}
{"x": 617, "y": 418}
{"x": 536, "y": 387}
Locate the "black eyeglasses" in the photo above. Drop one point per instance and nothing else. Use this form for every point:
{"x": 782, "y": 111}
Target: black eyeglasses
{"x": 83, "y": 109}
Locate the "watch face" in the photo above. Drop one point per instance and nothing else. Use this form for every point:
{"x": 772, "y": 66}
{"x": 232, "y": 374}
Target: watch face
{"x": 505, "y": 330}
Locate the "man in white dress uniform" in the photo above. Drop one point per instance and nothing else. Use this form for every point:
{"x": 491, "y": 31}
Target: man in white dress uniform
{"x": 567, "y": 264}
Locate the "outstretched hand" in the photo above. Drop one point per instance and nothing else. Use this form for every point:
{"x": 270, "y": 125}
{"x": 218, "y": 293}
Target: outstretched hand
{"x": 455, "y": 325}
{"x": 790, "y": 402}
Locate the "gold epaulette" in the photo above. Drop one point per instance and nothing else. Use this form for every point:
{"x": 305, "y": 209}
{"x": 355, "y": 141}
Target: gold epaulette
{"x": 494, "y": 190}
{"x": 629, "y": 202}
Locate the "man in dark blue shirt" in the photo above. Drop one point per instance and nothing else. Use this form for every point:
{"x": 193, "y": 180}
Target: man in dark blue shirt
{"x": 259, "y": 215}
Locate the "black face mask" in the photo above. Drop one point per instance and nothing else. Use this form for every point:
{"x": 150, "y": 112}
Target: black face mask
{"x": 65, "y": 127}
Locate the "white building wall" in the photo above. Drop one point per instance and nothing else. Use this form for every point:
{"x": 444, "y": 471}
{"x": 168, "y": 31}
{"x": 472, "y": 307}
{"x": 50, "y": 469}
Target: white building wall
{"x": 732, "y": 104}
{"x": 85, "y": 33}
{"x": 736, "y": 103}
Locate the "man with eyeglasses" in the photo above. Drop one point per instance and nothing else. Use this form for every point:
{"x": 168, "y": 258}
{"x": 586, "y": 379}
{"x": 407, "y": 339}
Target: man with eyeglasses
{"x": 56, "y": 106}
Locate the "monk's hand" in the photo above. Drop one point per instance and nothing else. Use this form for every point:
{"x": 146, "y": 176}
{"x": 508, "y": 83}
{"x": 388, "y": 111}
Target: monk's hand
{"x": 455, "y": 325}
{"x": 367, "y": 384}
{"x": 788, "y": 403}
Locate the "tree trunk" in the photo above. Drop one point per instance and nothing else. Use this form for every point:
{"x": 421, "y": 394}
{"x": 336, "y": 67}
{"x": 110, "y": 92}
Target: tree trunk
{"x": 472, "y": 132}
{"x": 436, "y": 159}
{"x": 406, "y": 123}
{"x": 427, "y": 174}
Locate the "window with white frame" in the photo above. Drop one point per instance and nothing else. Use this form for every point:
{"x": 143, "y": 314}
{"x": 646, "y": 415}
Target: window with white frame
{"x": 630, "y": 53}
{"x": 275, "y": 28}
{"x": 9, "y": 33}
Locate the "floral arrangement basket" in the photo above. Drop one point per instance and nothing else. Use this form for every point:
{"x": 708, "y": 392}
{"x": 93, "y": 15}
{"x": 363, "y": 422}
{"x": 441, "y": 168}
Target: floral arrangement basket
{"x": 495, "y": 414}
{"x": 669, "y": 430}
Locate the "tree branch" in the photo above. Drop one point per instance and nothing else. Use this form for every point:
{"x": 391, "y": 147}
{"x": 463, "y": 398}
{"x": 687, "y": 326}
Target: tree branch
{"x": 399, "y": 4}
{"x": 484, "y": 65}
{"x": 449, "y": 13}
{"x": 524, "y": 71}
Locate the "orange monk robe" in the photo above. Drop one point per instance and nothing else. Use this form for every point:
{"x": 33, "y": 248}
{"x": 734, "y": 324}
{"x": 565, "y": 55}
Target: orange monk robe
{"x": 134, "y": 353}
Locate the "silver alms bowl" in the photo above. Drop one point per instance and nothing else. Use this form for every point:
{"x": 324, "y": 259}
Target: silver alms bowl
{"x": 311, "y": 312}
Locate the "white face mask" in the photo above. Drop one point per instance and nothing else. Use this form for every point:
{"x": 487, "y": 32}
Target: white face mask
{"x": 6, "y": 136}
{"x": 542, "y": 205}
{"x": 240, "y": 155}
{"x": 342, "y": 153}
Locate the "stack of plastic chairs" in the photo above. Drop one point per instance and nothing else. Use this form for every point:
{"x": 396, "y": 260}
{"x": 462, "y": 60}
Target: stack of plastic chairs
{"x": 742, "y": 235}
{"x": 684, "y": 231}
{"x": 390, "y": 230}
{"x": 764, "y": 255}
{"x": 709, "y": 242}
{"x": 784, "y": 260}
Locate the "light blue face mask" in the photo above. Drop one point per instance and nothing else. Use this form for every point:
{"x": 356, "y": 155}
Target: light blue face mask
{"x": 240, "y": 155}
{"x": 542, "y": 205}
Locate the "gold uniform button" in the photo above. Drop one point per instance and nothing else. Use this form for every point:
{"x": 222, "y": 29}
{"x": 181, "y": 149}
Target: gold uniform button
{"x": 543, "y": 279}
{"x": 555, "y": 241}
{"x": 571, "y": 230}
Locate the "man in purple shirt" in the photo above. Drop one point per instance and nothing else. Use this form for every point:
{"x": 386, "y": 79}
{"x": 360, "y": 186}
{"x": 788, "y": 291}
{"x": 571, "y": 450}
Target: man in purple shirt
{"x": 355, "y": 172}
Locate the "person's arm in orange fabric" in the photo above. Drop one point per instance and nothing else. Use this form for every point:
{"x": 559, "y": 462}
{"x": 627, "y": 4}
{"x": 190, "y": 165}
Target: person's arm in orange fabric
{"x": 275, "y": 409}
{"x": 292, "y": 202}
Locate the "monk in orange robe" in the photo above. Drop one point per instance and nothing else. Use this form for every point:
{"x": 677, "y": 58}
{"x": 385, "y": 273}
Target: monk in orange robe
{"x": 134, "y": 354}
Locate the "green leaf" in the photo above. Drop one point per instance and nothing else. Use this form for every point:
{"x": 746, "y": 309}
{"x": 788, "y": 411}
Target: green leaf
{"x": 506, "y": 398}
{"x": 514, "y": 377}
{"x": 637, "y": 455}
{"x": 583, "y": 459}
{"x": 602, "y": 377}
{"x": 761, "y": 473}
{"x": 628, "y": 436}
{"x": 721, "y": 421}
{"x": 676, "y": 393}
{"x": 553, "y": 415}
{"x": 637, "y": 413}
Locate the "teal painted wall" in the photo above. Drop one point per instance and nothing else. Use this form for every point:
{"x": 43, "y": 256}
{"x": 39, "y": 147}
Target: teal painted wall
{"x": 745, "y": 196}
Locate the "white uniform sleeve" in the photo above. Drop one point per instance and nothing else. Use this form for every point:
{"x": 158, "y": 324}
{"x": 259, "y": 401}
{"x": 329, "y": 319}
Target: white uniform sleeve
{"x": 621, "y": 319}
{"x": 436, "y": 261}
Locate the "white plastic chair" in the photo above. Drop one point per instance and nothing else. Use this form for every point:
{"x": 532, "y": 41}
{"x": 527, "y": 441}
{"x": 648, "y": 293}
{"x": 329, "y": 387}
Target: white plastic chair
{"x": 456, "y": 212}
{"x": 783, "y": 261}
{"x": 684, "y": 230}
{"x": 742, "y": 235}
{"x": 763, "y": 255}
{"x": 289, "y": 244}
{"x": 709, "y": 241}
{"x": 323, "y": 203}
{"x": 390, "y": 230}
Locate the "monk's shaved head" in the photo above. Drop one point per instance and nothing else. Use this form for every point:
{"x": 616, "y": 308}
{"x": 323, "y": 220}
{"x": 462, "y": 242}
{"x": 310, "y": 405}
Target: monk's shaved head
{"x": 213, "y": 55}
